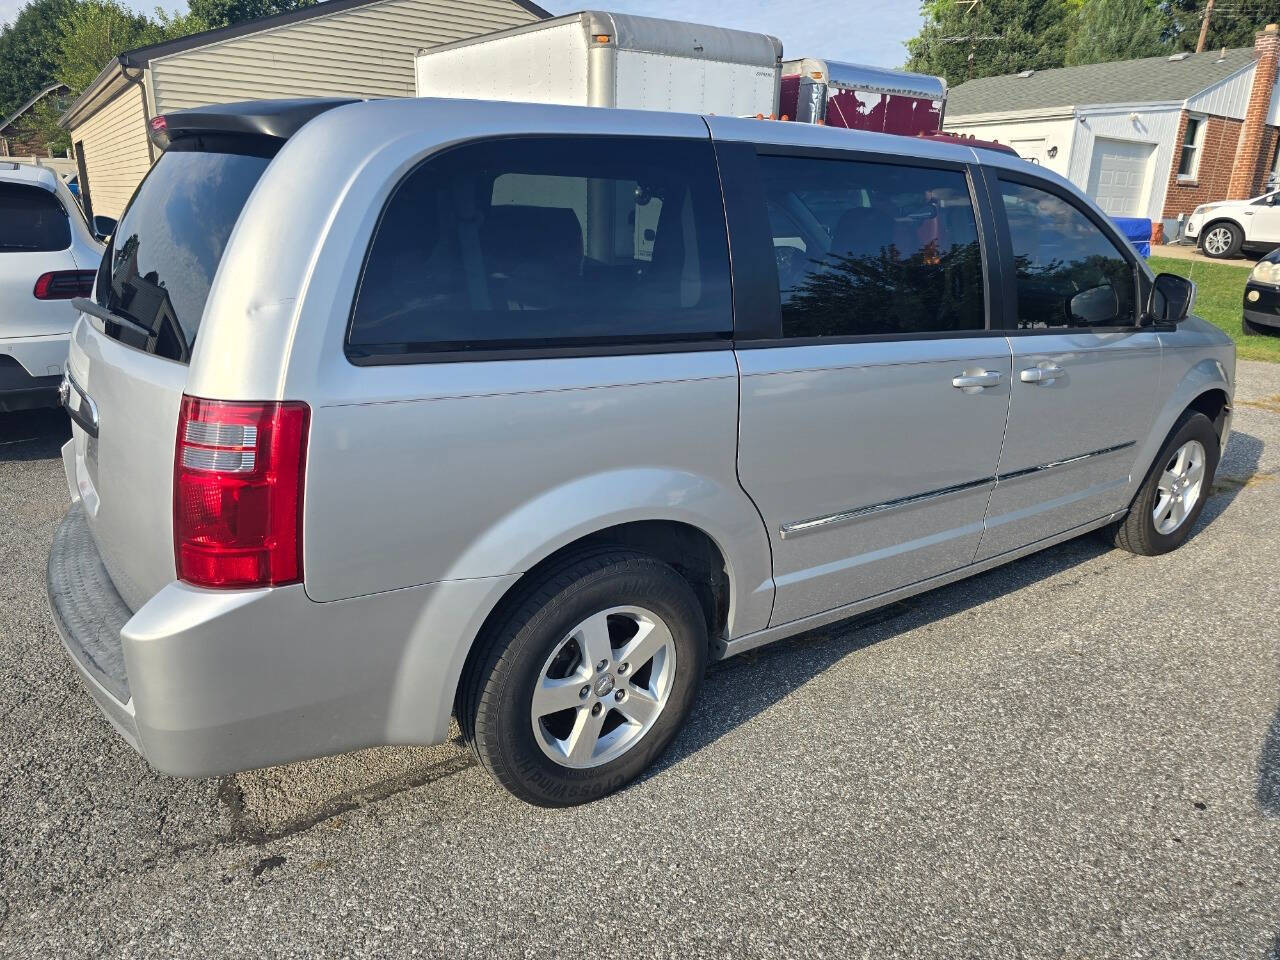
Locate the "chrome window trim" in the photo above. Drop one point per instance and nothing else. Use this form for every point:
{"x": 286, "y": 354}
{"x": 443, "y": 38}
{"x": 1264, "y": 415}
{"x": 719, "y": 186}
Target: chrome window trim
{"x": 845, "y": 516}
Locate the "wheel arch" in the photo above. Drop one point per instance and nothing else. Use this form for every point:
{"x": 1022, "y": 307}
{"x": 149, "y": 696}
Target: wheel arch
{"x": 1205, "y": 387}
{"x": 647, "y": 507}
{"x": 688, "y": 549}
{"x": 1232, "y": 221}
{"x": 711, "y": 533}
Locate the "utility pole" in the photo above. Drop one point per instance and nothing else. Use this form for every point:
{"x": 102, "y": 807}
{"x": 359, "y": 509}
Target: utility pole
{"x": 972, "y": 38}
{"x": 1204, "y": 26}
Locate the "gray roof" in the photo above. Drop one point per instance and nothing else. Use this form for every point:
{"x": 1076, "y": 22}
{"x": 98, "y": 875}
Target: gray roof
{"x": 1149, "y": 80}
{"x": 142, "y": 56}
{"x": 4, "y": 124}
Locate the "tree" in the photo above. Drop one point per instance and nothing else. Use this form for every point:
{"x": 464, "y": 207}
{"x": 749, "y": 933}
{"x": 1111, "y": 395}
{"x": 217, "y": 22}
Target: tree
{"x": 1231, "y": 25}
{"x": 224, "y": 13}
{"x": 1002, "y": 36}
{"x": 42, "y": 120}
{"x": 28, "y": 49}
{"x": 92, "y": 33}
{"x": 1106, "y": 30}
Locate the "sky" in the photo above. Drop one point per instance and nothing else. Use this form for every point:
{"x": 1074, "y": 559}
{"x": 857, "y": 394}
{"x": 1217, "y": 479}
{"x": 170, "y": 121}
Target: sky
{"x": 823, "y": 28}
{"x": 814, "y": 28}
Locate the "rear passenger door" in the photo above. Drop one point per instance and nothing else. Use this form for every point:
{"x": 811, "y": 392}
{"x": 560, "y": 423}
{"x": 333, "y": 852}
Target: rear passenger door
{"x": 874, "y": 392}
{"x": 1085, "y": 373}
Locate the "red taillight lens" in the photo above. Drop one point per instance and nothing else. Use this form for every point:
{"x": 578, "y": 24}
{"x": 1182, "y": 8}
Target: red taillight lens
{"x": 237, "y": 492}
{"x": 64, "y": 284}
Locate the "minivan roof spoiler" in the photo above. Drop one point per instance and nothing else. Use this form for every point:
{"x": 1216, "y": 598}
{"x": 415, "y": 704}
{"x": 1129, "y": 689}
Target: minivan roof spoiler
{"x": 274, "y": 119}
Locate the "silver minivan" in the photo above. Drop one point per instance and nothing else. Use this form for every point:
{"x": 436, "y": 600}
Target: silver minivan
{"x": 388, "y": 412}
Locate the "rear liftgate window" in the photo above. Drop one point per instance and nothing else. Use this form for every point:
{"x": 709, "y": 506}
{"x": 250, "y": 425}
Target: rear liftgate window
{"x": 166, "y": 249}
{"x": 31, "y": 220}
{"x": 547, "y": 242}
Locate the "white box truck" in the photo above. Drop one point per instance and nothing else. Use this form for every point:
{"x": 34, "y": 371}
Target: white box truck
{"x": 600, "y": 59}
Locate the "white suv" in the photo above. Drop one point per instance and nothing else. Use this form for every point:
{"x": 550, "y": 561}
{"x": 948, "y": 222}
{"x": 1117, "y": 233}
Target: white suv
{"x": 48, "y": 255}
{"x": 1225, "y": 228}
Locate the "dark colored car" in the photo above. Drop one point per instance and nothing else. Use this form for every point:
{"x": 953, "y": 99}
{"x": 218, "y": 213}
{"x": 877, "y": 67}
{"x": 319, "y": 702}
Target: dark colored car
{"x": 1262, "y": 296}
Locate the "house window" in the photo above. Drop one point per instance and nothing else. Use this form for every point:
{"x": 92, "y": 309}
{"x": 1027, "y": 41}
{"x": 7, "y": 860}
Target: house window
{"x": 1192, "y": 138}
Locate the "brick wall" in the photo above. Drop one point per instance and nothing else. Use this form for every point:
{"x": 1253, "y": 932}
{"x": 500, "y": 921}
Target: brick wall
{"x": 1213, "y": 176}
{"x": 22, "y": 142}
{"x": 1252, "y": 158}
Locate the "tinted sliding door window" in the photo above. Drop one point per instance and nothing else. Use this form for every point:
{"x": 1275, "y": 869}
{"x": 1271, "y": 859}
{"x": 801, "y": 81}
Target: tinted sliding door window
{"x": 1069, "y": 273}
{"x": 865, "y": 249}
{"x": 529, "y": 243}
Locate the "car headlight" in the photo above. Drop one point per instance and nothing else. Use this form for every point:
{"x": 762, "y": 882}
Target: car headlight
{"x": 1266, "y": 272}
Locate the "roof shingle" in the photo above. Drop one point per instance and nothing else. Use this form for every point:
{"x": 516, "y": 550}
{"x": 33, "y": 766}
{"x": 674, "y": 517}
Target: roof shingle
{"x": 1149, "y": 80}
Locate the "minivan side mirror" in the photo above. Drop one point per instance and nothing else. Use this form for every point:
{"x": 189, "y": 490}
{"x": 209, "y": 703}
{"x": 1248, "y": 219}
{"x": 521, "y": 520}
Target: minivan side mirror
{"x": 103, "y": 227}
{"x": 1172, "y": 298}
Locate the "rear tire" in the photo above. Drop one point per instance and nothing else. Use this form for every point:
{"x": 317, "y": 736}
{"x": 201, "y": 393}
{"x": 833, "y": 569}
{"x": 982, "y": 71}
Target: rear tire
{"x": 1222, "y": 240}
{"x": 1172, "y": 496}
{"x": 587, "y": 680}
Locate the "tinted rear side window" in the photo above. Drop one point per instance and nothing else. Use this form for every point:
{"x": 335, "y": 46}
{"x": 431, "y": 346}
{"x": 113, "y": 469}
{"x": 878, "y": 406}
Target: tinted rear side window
{"x": 528, "y": 243}
{"x": 166, "y": 249}
{"x": 873, "y": 249}
{"x": 31, "y": 220}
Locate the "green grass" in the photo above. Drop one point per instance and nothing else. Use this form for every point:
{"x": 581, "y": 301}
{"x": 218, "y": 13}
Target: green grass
{"x": 1220, "y": 300}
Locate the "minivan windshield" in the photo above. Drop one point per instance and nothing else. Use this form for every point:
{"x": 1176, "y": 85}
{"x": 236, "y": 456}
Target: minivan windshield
{"x": 166, "y": 249}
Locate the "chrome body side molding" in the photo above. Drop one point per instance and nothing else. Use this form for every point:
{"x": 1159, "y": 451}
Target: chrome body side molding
{"x": 845, "y": 516}
{"x": 1062, "y": 463}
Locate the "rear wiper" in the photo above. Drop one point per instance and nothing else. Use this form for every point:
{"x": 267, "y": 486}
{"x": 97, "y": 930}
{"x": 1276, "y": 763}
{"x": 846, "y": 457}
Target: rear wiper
{"x": 102, "y": 313}
{"x": 19, "y": 246}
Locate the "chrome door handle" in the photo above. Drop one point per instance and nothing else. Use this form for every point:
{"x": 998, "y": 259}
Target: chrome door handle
{"x": 972, "y": 382}
{"x": 1046, "y": 373}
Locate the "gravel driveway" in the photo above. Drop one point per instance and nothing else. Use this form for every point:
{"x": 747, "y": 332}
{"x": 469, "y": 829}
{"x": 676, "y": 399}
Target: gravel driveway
{"x": 1077, "y": 755}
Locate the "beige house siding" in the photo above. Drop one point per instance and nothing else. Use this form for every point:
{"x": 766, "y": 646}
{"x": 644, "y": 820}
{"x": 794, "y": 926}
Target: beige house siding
{"x": 366, "y": 51}
{"x": 116, "y": 155}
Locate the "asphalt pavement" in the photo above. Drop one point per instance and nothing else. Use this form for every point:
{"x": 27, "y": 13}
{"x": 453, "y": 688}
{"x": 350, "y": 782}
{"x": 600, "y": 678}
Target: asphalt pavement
{"x": 1076, "y": 755}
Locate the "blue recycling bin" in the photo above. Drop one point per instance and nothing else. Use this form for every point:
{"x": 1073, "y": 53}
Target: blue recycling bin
{"x": 1138, "y": 231}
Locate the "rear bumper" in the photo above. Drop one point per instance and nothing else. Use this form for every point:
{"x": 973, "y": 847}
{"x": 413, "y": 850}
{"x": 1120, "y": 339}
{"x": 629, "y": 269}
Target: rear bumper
{"x": 30, "y": 371}
{"x": 90, "y": 615}
{"x": 205, "y": 682}
{"x": 44, "y": 356}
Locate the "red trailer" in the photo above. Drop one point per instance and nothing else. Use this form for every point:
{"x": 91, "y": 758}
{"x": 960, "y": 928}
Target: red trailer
{"x": 858, "y": 97}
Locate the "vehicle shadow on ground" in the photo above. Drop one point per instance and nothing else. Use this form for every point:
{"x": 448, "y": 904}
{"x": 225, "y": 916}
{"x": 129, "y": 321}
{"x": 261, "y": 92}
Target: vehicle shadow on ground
{"x": 1239, "y": 468}
{"x": 1269, "y": 770}
{"x": 33, "y": 435}
{"x": 744, "y": 686}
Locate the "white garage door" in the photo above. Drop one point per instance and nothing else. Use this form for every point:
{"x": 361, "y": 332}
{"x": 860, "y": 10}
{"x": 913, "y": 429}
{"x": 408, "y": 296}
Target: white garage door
{"x": 1118, "y": 176}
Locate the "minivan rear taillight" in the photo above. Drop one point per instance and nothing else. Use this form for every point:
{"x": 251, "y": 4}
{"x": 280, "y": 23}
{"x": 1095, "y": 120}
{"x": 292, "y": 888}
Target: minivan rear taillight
{"x": 64, "y": 284}
{"x": 237, "y": 492}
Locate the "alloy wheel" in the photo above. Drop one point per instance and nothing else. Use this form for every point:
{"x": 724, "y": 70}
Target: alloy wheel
{"x": 1179, "y": 487}
{"x": 1217, "y": 241}
{"x": 603, "y": 687}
